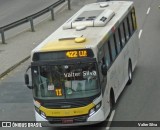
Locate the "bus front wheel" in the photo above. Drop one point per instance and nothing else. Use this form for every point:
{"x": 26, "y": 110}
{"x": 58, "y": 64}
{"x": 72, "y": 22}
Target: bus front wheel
{"x": 112, "y": 103}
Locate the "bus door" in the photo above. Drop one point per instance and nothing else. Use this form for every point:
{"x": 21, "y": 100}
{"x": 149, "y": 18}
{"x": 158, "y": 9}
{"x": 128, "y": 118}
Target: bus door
{"x": 103, "y": 76}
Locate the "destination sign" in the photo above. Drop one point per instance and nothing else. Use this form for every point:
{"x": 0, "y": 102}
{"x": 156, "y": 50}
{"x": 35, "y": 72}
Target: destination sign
{"x": 57, "y": 55}
{"x": 76, "y": 54}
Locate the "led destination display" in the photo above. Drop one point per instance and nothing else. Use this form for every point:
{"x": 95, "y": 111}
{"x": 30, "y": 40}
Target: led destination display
{"x": 46, "y": 56}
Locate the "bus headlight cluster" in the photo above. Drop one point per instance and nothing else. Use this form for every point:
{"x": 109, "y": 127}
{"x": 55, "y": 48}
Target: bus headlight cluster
{"x": 43, "y": 114}
{"x": 94, "y": 109}
{"x": 40, "y": 112}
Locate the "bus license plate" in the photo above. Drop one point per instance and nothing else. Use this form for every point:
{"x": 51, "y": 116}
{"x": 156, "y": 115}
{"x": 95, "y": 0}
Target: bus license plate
{"x": 67, "y": 121}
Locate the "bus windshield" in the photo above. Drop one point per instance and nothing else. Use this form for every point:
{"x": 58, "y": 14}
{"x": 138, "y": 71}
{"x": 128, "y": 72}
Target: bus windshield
{"x": 65, "y": 81}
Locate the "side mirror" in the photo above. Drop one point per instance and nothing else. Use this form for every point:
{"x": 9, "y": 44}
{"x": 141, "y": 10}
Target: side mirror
{"x": 26, "y": 78}
{"x": 104, "y": 69}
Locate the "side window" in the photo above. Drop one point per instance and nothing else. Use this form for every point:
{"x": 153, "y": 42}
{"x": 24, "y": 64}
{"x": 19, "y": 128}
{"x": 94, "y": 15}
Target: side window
{"x": 122, "y": 34}
{"x": 134, "y": 19}
{"x": 107, "y": 55}
{"x": 131, "y": 27}
{"x": 126, "y": 29}
{"x": 118, "y": 43}
{"x": 101, "y": 53}
{"x": 113, "y": 48}
{"x": 101, "y": 61}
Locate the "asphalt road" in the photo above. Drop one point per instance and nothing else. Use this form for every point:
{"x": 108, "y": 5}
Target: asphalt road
{"x": 13, "y": 10}
{"x": 138, "y": 102}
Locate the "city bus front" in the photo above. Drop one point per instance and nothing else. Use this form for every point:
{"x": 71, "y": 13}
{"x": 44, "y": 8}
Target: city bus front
{"x": 66, "y": 88}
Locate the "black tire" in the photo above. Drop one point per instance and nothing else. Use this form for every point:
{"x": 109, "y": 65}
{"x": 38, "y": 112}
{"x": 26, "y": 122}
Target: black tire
{"x": 112, "y": 104}
{"x": 130, "y": 73}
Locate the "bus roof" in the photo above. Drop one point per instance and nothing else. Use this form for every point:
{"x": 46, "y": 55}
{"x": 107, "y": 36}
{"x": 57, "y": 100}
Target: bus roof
{"x": 88, "y": 28}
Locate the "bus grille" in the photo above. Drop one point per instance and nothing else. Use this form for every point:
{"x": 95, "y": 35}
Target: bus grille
{"x": 77, "y": 119}
{"x": 66, "y": 104}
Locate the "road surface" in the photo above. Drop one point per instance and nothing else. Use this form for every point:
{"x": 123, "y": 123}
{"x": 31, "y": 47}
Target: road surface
{"x": 13, "y": 10}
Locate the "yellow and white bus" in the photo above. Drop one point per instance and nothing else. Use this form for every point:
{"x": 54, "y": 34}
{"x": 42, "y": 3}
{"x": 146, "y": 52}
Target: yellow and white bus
{"x": 80, "y": 70}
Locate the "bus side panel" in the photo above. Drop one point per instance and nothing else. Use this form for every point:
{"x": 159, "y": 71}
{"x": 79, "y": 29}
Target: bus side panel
{"x": 106, "y": 98}
{"x": 131, "y": 51}
{"x": 120, "y": 74}
{"x": 136, "y": 49}
{"x": 115, "y": 76}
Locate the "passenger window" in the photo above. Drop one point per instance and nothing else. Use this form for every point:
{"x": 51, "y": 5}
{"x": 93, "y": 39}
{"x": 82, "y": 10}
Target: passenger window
{"x": 130, "y": 23}
{"x": 113, "y": 48}
{"x": 101, "y": 53}
{"x": 126, "y": 29}
{"x": 134, "y": 19}
{"x": 118, "y": 43}
{"x": 122, "y": 33}
{"x": 107, "y": 55}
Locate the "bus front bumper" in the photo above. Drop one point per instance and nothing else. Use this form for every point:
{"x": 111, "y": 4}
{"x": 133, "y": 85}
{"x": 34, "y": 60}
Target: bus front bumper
{"x": 97, "y": 117}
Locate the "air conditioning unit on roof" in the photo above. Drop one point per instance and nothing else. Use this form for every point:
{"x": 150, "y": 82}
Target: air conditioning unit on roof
{"x": 91, "y": 18}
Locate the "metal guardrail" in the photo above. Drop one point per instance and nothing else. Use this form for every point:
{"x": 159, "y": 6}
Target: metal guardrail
{"x": 31, "y": 18}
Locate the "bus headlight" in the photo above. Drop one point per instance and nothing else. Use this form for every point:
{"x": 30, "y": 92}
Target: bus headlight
{"x": 40, "y": 112}
{"x": 37, "y": 110}
{"x": 94, "y": 109}
{"x": 43, "y": 114}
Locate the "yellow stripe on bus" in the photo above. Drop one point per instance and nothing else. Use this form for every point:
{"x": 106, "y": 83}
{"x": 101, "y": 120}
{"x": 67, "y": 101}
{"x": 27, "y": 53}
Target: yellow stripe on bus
{"x": 67, "y": 112}
{"x": 62, "y": 45}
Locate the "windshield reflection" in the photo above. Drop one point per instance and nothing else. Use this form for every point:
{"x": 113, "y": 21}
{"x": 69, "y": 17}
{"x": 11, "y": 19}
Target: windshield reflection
{"x": 65, "y": 81}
